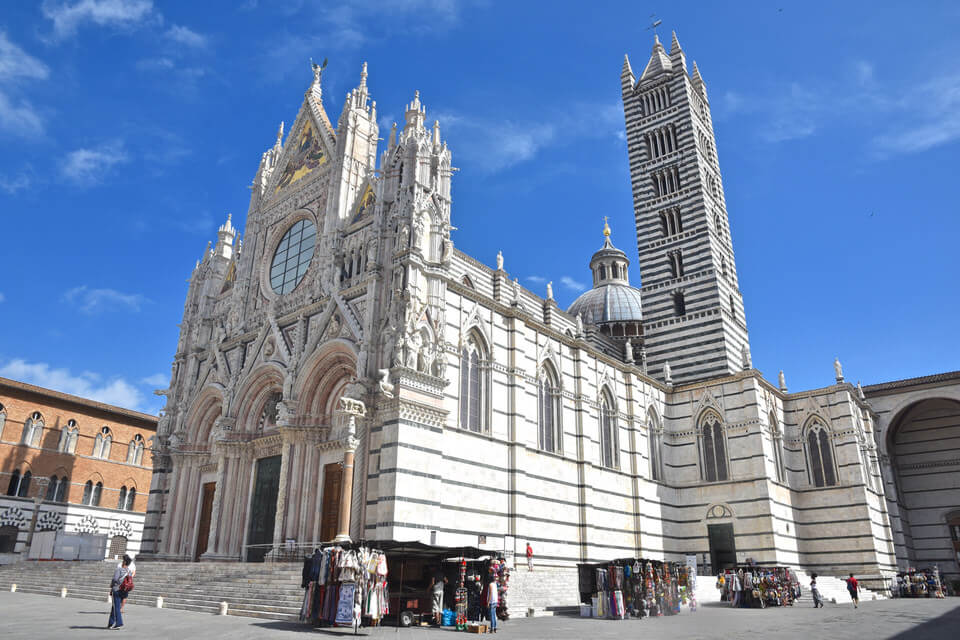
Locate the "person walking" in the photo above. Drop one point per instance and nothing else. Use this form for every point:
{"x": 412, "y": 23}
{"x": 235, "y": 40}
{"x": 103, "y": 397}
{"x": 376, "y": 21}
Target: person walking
{"x": 817, "y": 600}
{"x": 854, "y": 588}
{"x": 529, "y": 557}
{"x": 118, "y": 593}
{"x": 133, "y": 574}
{"x": 493, "y": 601}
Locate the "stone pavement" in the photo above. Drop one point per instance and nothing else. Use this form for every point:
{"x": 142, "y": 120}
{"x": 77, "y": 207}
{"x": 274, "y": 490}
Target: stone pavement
{"x": 36, "y": 617}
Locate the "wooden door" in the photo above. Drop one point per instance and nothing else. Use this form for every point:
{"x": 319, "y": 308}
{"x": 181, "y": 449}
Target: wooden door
{"x": 723, "y": 549}
{"x": 206, "y": 511}
{"x": 330, "y": 509}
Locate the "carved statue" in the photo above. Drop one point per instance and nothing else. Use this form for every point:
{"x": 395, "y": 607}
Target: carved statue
{"x": 745, "y": 354}
{"x": 447, "y": 251}
{"x": 403, "y": 240}
{"x": 667, "y": 373}
{"x": 413, "y": 350}
{"x": 838, "y": 369}
{"x": 386, "y": 387}
{"x": 372, "y": 255}
{"x": 628, "y": 350}
{"x": 397, "y": 354}
{"x": 579, "y": 326}
{"x": 333, "y": 328}
{"x": 550, "y": 290}
{"x": 782, "y": 381}
{"x": 499, "y": 261}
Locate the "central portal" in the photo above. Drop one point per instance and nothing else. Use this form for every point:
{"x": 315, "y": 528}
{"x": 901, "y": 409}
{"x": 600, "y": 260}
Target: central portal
{"x": 723, "y": 551}
{"x": 263, "y": 508}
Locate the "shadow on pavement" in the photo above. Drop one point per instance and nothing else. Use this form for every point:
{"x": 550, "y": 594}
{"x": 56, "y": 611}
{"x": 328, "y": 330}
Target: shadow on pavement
{"x": 933, "y": 628}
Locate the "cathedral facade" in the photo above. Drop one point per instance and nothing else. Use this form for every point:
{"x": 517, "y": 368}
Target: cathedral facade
{"x": 347, "y": 372}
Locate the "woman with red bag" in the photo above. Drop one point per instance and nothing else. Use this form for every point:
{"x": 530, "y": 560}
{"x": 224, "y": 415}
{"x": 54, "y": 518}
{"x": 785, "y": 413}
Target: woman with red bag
{"x": 120, "y": 586}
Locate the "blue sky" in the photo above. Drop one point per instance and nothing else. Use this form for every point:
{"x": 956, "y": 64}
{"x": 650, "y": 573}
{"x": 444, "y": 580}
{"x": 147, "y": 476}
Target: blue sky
{"x": 129, "y": 130}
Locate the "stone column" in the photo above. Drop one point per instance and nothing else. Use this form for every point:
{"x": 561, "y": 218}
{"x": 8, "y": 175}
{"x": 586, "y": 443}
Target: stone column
{"x": 351, "y": 409}
{"x": 282, "y": 493}
{"x": 216, "y": 511}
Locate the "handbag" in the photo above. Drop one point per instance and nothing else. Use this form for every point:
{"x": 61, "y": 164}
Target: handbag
{"x": 127, "y": 583}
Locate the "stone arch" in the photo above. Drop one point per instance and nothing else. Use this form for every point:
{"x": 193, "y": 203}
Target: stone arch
{"x": 261, "y": 384}
{"x": 206, "y": 409}
{"x": 719, "y": 511}
{"x": 324, "y": 379}
{"x": 899, "y": 411}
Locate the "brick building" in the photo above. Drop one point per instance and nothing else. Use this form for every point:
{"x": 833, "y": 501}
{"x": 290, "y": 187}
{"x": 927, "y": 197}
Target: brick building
{"x": 85, "y": 464}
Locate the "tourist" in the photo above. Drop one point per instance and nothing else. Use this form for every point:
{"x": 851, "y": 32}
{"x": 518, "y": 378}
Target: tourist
{"x": 118, "y": 593}
{"x": 853, "y": 587}
{"x": 436, "y": 593}
{"x": 133, "y": 574}
{"x": 817, "y": 600}
{"x": 529, "y": 557}
{"x": 493, "y": 601}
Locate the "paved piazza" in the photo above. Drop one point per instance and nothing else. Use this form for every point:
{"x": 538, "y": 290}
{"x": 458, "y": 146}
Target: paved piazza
{"x": 42, "y": 617}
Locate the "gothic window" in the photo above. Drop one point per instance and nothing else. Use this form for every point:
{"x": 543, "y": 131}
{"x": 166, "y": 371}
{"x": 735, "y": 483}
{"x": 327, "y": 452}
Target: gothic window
{"x": 52, "y": 488}
{"x": 97, "y": 490}
{"x": 122, "y": 501}
{"x": 3, "y": 418}
{"x": 63, "y": 485}
{"x": 723, "y": 266}
{"x": 87, "y": 492}
{"x": 19, "y": 484}
{"x": 820, "y": 455}
{"x": 131, "y": 499}
{"x": 268, "y": 415}
{"x": 713, "y": 450}
{"x": 292, "y": 256}
{"x": 135, "y": 450}
{"x": 609, "y": 438}
{"x": 776, "y": 439}
{"x": 656, "y": 443}
{"x": 676, "y": 263}
{"x": 102, "y": 443}
{"x": 473, "y": 386}
{"x": 865, "y": 465}
{"x": 32, "y": 430}
{"x": 733, "y": 306}
{"x": 603, "y": 272}
{"x": 548, "y": 403}
{"x": 467, "y": 282}
{"x": 68, "y": 438}
{"x": 679, "y": 305}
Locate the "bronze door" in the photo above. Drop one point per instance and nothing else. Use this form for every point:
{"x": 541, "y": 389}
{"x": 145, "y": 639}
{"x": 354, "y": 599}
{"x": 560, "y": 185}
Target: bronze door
{"x": 206, "y": 511}
{"x": 330, "y": 510}
{"x": 263, "y": 508}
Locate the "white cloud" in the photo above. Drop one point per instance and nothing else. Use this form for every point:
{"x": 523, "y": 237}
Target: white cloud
{"x": 186, "y": 36}
{"x": 17, "y": 63}
{"x": 536, "y": 279}
{"x": 13, "y": 184}
{"x": 69, "y": 17}
{"x": 116, "y": 391}
{"x": 572, "y": 284}
{"x": 20, "y": 119}
{"x": 94, "y": 301}
{"x": 3, "y": 298}
{"x": 928, "y": 118}
{"x": 155, "y": 64}
{"x": 157, "y": 380}
{"x": 86, "y": 167}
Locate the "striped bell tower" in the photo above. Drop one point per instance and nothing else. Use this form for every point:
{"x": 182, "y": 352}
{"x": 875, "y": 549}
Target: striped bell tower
{"x": 693, "y": 316}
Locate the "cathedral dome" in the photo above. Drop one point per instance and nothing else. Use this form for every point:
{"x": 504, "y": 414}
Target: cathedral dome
{"x": 608, "y": 303}
{"x": 612, "y": 299}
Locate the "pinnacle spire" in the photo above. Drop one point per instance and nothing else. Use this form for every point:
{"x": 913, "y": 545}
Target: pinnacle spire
{"x": 659, "y": 61}
{"x": 627, "y": 69}
{"x": 696, "y": 73}
{"x": 674, "y": 44}
{"x": 280, "y": 133}
{"x": 363, "y": 75}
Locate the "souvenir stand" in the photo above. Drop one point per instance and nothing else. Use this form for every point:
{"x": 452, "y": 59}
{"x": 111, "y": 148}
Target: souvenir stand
{"x": 752, "y": 586}
{"x": 636, "y": 588}
{"x": 922, "y": 583}
{"x": 344, "y": 584}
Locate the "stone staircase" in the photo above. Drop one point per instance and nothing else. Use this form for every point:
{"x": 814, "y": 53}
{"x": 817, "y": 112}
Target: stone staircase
{"x": 548, "y": 591}
{"x": 255, "y": 590}
{"x": 833, "y": 589}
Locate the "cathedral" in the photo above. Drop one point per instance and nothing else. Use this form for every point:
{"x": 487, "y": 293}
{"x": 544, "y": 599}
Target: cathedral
{"x": 347, "y": 373}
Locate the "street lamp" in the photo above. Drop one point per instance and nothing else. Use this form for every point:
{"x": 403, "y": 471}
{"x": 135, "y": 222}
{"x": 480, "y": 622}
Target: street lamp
{"x": 37, "y": 501}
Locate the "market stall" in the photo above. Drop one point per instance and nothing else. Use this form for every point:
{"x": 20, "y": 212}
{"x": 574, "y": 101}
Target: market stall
{"x": 918, "y": 583}
{"x": 636, "y": 587}
{"x": 758, "y": 586}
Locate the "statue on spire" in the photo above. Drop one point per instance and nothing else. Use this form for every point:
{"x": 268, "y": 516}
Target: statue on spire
{"x": 318, "y": 70}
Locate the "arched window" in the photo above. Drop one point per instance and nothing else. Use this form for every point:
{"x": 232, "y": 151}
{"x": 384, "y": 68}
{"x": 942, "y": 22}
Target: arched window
{"x": 87, "y": 492}
{"x": 473, "y": 386}
{"x": 68, "y": 438}
{"x": 101, "y": 445}
{"x": 713, "y": 449}
{"x": 135, "y": 450}
{"x": 776, "y": 439}
{"x": 548, "y": 405}
{"x": 14, "y": 485}
{"x": 131, "y": 498}
{"x": 122, "y": 501}
{"x": 24, "y": 490}
{"x": 97, "y": 490}
{"x": 52, "y": 488}
{"x": 3, "y": 417}
{"x": 32, "y": 430}
{"x": 820, "y": 455}
{"x": 609, "y": 438}
{"x": 62, "y": 489}
{"x": 655, "y": 436}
